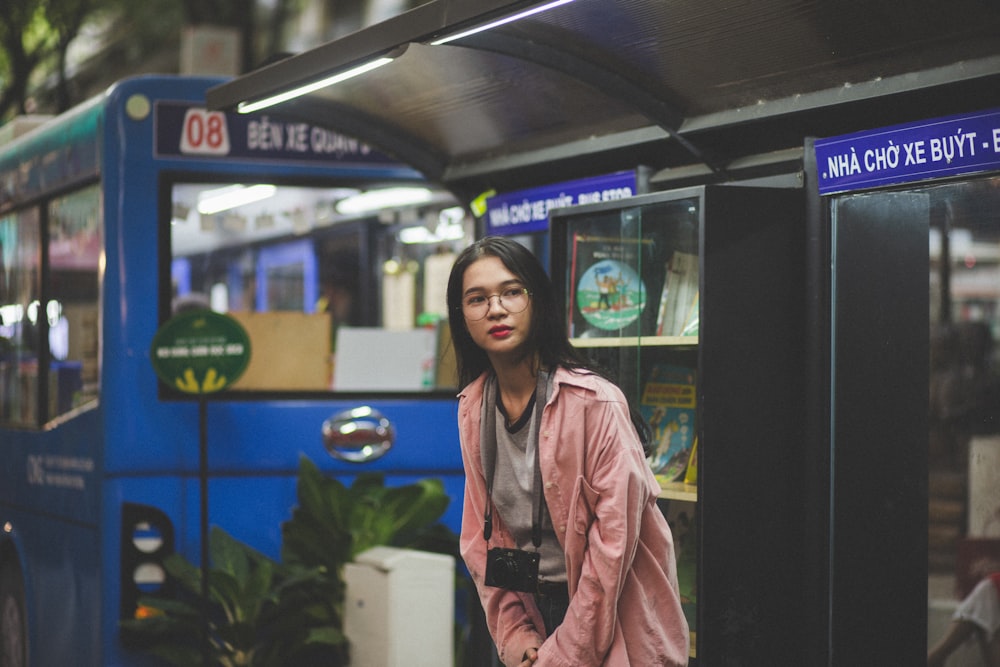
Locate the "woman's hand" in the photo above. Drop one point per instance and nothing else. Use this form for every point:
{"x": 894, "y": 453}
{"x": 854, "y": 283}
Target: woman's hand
{"x": 530, "y": 656}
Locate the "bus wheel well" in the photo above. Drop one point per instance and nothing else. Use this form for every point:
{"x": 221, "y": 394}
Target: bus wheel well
{"x": 13, "y": 618}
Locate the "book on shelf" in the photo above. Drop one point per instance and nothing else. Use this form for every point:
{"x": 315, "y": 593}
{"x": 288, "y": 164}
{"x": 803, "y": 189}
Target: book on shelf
{"x": 668, "y": 404}
{"x": 606, "y": 294}
{"x": 691, "y": 474}
{"x": 678, "y": 309}
{"x": 683, "y": 521}
{"x": 693, "y": 319}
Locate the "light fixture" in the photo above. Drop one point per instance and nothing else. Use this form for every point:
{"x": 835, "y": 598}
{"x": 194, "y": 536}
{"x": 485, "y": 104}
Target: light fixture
{"x": 448, "y": 227}
{"x": 538, "y": 9}
{"x": 223, "y": 199}
{"x": 180, "y": 211}
{"x": 375, "y": 63}
{"x": 374, "y": 200}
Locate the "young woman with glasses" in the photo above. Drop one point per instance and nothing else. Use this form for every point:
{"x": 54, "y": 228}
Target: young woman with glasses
{"x": 573, "y": 561}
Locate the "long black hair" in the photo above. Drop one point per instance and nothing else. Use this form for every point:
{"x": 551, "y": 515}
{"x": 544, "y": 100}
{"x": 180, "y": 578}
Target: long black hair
{"x": 547, "y": 336}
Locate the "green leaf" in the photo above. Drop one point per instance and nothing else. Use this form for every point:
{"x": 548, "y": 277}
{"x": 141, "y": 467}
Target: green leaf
{"x": 327, "y": 635}
{"x": 229, "y": 554}
{"x": 184, "y": 573}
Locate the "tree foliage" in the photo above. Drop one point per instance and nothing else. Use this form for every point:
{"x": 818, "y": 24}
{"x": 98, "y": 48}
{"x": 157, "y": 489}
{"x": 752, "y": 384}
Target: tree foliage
{"x": 36, "y": 36}
{"x": 65, "y": 18}
{"x": 25, "y": 40}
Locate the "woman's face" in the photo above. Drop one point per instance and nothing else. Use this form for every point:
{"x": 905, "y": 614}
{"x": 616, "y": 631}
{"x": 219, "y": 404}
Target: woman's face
{"x": 499, "y": 332}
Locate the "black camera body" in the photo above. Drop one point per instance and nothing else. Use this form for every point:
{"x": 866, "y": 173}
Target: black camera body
{"x": 512, "y": 569}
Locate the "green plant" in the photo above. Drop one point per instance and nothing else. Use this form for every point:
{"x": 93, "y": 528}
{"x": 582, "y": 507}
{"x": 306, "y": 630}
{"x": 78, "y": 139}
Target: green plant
{"x": 264, "y": 613}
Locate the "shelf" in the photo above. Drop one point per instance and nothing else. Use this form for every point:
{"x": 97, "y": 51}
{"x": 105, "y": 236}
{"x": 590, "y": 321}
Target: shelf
{"x": 679, "y": 491}
{"x": 637, "y": 341}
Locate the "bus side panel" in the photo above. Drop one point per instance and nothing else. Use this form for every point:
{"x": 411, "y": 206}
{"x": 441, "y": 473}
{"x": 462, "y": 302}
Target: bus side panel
{"x": 54, "y": 472}
{"x": 49, "y": 490}
{"x": 245, "y": 437}
{"x": 62, "y": 588}
{"x": 261, "y": 435}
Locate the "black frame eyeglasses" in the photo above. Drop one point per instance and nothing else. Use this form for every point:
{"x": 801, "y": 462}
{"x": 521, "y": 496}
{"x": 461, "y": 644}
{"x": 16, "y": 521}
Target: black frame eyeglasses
{"x": 512, "y": 299}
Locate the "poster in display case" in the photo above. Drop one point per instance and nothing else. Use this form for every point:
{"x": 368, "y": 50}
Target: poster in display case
{"x": 630, "y": 272}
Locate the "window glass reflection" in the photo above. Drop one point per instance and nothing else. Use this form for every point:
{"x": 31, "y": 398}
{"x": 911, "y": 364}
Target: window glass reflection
{"x": 20, "y": 310}
{"x": 964, "y": 392}
{"x": 315, "y": 286}
{"x": 75, "y": 255}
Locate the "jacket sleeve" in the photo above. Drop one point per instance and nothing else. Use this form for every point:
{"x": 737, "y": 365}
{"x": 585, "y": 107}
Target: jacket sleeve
{"x": 604, "y": 516}
{"x": 511, "y": 617}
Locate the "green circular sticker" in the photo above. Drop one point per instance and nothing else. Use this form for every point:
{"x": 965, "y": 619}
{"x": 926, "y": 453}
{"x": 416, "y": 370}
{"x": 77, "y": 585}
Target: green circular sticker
{"x": 200, "y": 352}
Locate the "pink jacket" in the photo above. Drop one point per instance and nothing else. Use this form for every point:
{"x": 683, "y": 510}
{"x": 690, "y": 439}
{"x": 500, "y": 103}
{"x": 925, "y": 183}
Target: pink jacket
{"x": 624, "y": 608}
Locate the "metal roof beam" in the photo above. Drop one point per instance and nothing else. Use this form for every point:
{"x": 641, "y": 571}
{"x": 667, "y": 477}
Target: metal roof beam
{"x": 609, "y": 82}
{"x": 370, "y": 129}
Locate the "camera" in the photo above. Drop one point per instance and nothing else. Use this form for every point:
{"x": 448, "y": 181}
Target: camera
{"x": 512, "y": 569}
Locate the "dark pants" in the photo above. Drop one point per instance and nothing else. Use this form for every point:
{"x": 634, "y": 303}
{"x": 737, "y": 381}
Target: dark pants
{"x": 552, "y": 601}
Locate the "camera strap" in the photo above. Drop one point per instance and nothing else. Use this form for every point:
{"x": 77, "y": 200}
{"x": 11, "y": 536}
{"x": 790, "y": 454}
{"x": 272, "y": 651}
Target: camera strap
{"x": 488, "y": 444}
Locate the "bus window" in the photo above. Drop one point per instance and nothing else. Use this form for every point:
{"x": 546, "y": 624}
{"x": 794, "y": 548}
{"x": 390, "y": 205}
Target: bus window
{"x": 301, "y": 276}
{"x": 20, "y": 289}
{"x": 73, "y": 299}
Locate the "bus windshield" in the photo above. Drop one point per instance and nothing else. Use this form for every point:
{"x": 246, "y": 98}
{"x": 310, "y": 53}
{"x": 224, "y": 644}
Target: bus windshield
{"x": 317, "y": 275}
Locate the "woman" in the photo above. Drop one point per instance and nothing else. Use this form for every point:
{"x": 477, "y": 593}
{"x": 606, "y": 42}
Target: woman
{"x": 977, "y": 616}
{"x": 573, "y": 561}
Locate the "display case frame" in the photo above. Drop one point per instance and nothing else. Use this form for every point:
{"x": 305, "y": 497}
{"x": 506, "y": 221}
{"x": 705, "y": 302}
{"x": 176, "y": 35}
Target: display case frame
{"x": 749, "y": 356}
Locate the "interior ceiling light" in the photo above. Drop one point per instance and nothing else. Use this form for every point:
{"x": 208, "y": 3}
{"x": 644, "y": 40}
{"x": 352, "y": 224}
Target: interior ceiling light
{"x": 445, "y": 231}
{"x": 223, "y": 199}
{"x": 538, "y": 9}
{"x": 374, "y": 200}
{"x": 375, "y": 63}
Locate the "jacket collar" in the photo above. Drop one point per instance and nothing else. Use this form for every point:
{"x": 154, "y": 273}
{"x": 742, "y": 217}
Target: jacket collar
{"x": 584, "y": 380}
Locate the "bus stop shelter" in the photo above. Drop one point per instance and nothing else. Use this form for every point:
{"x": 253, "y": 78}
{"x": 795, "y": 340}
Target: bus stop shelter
{"x": 601, "y": 84}
{"x": 691, "y": 93}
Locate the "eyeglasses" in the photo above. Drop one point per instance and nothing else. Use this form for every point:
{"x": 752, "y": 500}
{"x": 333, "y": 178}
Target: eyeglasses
{"x": 513, "y": 300}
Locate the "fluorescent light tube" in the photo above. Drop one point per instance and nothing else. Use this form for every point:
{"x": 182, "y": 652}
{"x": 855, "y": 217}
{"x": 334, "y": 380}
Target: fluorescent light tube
{"x": 250, "y": 107}
{"x": 374, "y": 200}
{"x": 499, "y": 22}
{"x": 223, "y": 199}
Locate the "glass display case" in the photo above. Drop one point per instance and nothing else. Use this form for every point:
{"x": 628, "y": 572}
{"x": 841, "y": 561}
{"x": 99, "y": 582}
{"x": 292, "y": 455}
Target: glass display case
{"x": 691, "y": 300}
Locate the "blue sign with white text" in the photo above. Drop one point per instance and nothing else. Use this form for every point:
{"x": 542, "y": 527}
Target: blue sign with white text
{"x": 526, "y": 211}
{"x": 184, "y": 130}
{"x": 950, "y": 146}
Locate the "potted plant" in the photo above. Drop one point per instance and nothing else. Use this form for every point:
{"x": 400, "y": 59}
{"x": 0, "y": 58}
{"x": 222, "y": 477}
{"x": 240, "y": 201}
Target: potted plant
{"x": 261, "y": 612}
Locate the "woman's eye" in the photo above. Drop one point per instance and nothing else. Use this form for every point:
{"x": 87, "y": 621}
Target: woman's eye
{"x": 475, "y": 300}
{"x": 513, "y": 292}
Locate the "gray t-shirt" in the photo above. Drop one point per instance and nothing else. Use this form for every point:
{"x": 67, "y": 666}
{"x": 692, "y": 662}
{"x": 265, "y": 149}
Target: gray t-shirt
{"x": 512, "y": 489}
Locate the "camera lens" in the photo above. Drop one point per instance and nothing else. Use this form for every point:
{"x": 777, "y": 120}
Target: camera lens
{"x": 505, "y": 569}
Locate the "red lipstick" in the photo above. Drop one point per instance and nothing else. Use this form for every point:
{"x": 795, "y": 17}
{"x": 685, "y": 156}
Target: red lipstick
{"x": 500, "y": 331}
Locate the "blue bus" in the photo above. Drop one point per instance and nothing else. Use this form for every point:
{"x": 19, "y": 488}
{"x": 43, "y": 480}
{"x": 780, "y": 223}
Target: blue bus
{"x": 132, "y": 207}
